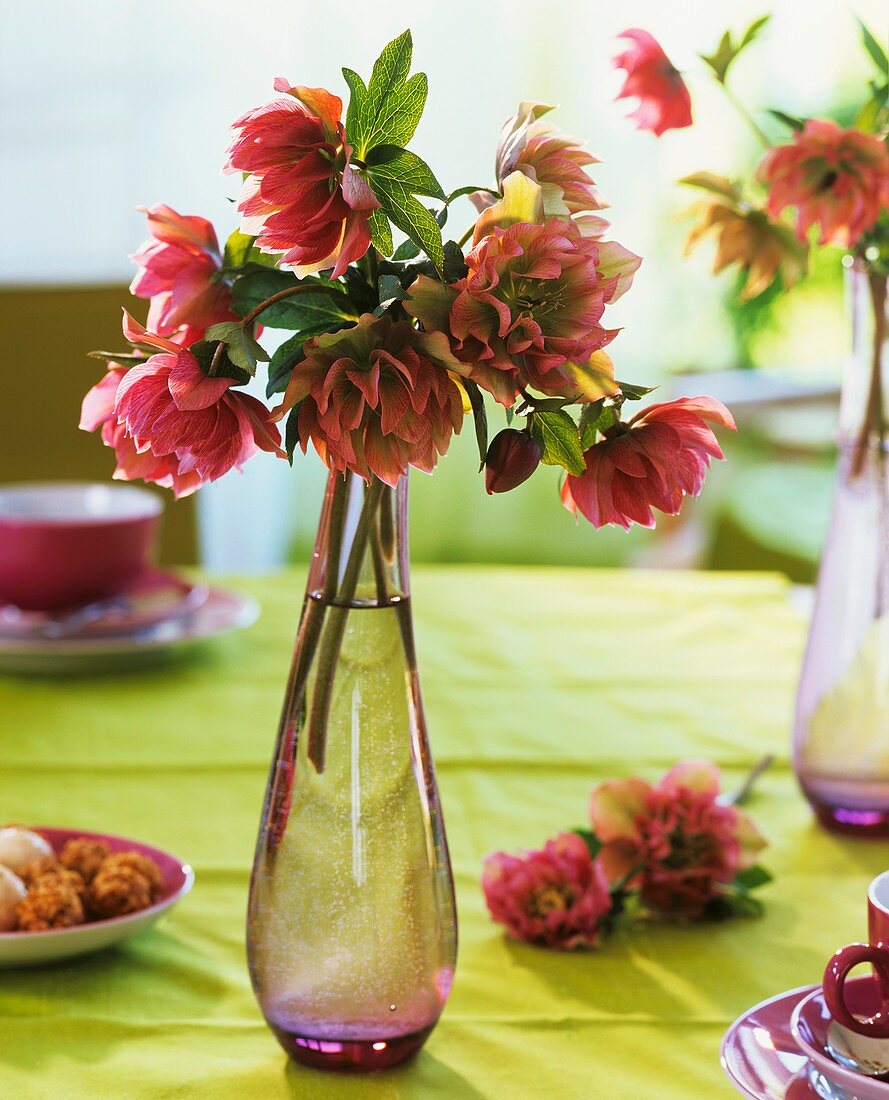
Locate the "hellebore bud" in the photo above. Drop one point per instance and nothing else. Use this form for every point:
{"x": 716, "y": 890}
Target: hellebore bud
{"x": 511, "y": 459}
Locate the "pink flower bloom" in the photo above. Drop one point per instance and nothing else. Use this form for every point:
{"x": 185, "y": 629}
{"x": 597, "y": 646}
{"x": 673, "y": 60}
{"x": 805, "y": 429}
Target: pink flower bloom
{"x": 664, "y": 100}
{"x": 556, "y": 897}
{"x": 178, "y": 266}
{"x": 837, "y": 178}
{"x": 652, "y": 461}
{"x": 376, "y": 398}
{"x": 170, "y": 424}
{"x": 530, "y": 304}
{"x": 302, "y": 196}
{"x": 554, "y": 160}
{"x": 674, "y": 842}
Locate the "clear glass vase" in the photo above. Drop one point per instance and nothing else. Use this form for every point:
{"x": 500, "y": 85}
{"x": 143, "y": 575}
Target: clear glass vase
{"x": 841, "y": 735}
{"x": 351, "y": 928}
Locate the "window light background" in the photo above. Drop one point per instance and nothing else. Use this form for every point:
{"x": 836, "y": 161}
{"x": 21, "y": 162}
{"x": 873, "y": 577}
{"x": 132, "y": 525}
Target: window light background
{"x": 107, "y": 104}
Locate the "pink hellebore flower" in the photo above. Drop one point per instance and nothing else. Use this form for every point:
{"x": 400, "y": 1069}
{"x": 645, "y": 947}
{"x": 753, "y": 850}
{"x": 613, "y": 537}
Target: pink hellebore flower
{"x": 302, "y": 196}
{"x": 530, "y": 306}
{"x": 376, "y": 398}
{"x": 836, "y": 178}
{"x": 554, "y": 160}
{"x": 178, "y": 269}
{"x": 556, "y": 897}
{"x": 673, "y": 841}
{"x": 170, "y": 424}
{"x": 652, "y": 461}
{"x": 664, "y": 100}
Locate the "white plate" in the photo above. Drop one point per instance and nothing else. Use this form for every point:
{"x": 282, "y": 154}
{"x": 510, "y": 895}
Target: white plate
{"x": 19, "y": 949}
{"x": 220, "y": 613}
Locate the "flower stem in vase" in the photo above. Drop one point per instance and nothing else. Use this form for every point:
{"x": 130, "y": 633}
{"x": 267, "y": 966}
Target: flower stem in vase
{"x": 335, "y": 624}
{"x": 873, "y": 417}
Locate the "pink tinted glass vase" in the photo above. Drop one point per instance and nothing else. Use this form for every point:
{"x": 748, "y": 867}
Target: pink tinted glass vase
{"x": 841, "y": 735}
{"x": 351, "y": 931}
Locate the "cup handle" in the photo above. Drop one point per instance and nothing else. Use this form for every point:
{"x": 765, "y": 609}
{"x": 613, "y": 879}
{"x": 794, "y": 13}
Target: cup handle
{"x": 835, "y": 975}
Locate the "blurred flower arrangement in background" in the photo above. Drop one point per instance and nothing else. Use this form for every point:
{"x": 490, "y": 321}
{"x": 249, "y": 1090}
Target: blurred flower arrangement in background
{"x": 676, "y": 850}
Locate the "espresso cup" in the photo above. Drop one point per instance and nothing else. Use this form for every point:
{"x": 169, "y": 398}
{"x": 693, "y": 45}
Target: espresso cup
{"x": 68, "y": 543}
{"x": 875, "y": 952}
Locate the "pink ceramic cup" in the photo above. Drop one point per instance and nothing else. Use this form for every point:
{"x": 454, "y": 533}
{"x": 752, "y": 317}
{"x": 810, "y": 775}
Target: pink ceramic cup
{"x": 67, "y": 543}
{"x": 875, "y": 952}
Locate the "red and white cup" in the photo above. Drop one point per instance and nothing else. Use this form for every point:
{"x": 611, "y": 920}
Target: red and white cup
{"x": 875, "y": 952}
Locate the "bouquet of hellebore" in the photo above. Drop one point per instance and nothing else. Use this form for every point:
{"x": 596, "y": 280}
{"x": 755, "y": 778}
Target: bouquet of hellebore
{"x": 391, "y": 347}
{"x": 676, "y": 851}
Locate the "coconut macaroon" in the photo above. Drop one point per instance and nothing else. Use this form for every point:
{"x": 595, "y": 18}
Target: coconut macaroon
{"x": 20, "y": 847}
{"x": 12, "y": 893}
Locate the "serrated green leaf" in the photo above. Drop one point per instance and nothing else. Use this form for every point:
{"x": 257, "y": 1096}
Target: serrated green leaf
{"x": 792, "y": 122}
{"x": 241, "y": 252}
{"x": 391, "y": 290}
{"x": 381, "y": 233}
{"x": 391, "y": 162}
{"x": 558, "y": 435}
{"x": 721, "y": 57}
{"x": 310, "y": 314}
{"x": 454, "y": 266}
{"x": 874, "y": 49}
{"x": 410, "y": 216}
{"x": 480, "y": 417}
{"x": 287, "y": 356}
{"x": 291, "y": 432}
{"x": 470, "y": 190}
{"x": 242, "y": 349}
{"x": 388, "y": 110}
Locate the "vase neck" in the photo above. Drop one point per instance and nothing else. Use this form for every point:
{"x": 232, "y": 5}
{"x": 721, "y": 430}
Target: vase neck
{"x": 865, "y": 393}
{"x": 360, "y": 556}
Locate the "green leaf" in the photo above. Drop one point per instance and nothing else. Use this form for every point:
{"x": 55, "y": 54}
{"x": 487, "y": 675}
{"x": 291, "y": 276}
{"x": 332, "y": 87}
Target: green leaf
{"x": 240, "y": 251}
{"x": 242, "y": 349}
{"x": 480, "y": 417}
{"x": 454, "y": 266}
{"x": 558, "y": 435}
{"x": 471, "y": 190}
{"x": 792, "y": 122}
{"x": 205, "y": 351}
{"x": 381, "y": 232}
{"x": 594, "y": 420}
{"x": 870, "y": 118}
{"x": 753, "y": 31}
{"x": 387, "y": 111}
{"x": 394, "y": 163}
{"x": 634, "y": 393}
{"x": 407, "y": 250}
{"x": 311, "y": 314}
{"x": 288, "y": 355}
{"x": 873, "y": 47}
{"x": 291, "y": 432}
{"x": 708, "y": 181}
{"x": 411, "y": 216}
{"x": 117, "y": 356}
{"x": 590, "y": 840}
{"x": 753, "y": 877}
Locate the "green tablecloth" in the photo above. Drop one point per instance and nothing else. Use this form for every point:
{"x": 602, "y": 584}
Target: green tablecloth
{"x": 538, "y": 683}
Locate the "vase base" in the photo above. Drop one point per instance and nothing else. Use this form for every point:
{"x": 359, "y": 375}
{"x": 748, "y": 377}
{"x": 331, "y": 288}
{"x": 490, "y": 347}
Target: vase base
{"x": 351, "y": 1055}
{"x": 852, "y": 822}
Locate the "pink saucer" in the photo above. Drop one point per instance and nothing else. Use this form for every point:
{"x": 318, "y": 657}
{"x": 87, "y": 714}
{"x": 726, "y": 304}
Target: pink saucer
{"x": 153, "y": 597}
{"x": 38, "y": 948}
{"x": 760, "y": 1056}
{"x": 809, "y": 1025}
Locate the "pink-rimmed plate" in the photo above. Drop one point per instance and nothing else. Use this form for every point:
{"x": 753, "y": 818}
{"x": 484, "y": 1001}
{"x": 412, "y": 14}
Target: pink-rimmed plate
{"x": 222, "y": 611}
{"x": 810, "y": 1023}
{"x": 760, "y": 1056}
{"x": 153, "y": 597}
{"x": 19, "y": 949}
